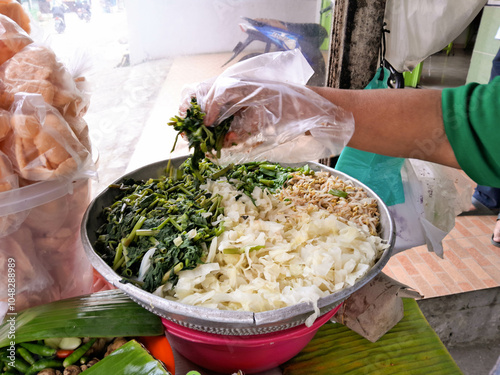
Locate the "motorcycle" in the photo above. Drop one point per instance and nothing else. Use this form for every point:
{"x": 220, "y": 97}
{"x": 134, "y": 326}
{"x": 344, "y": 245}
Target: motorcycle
{"x": 83, "y": 10}
{"x": 284, "y": 36}
{"x": 58, "y": 16}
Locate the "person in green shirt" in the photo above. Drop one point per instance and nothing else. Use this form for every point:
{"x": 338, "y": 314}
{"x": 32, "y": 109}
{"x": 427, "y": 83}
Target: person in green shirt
{"x": 457, "y": 127}
{"x": 486, "y": 199}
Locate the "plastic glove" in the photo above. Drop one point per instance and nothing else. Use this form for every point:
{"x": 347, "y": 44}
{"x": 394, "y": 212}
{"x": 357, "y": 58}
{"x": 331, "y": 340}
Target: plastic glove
{"x": 271, "y": 117}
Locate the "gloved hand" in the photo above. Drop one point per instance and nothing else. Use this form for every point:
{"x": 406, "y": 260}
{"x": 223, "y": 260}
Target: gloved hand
{"x": 271, "y": 114}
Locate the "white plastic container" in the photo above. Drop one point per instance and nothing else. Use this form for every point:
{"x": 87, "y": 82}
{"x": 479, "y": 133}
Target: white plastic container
{"x": 41, "y": 255}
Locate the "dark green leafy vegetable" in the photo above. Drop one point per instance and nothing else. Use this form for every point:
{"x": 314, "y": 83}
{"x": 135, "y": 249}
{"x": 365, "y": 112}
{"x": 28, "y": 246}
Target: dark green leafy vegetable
{"x": 170, "y": 214}
{"x": 203, "y": 139}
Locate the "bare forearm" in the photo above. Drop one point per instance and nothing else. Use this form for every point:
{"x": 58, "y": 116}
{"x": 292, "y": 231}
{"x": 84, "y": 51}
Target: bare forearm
{"x": 401, "y": 123}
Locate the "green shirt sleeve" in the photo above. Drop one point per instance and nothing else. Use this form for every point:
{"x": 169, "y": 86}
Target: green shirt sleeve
{"x": 471, "y": 116}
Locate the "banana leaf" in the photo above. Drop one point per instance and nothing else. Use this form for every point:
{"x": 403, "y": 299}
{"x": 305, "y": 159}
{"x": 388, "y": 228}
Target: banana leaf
{"x": 129, "y": 359}
{"x": 109, "y": 313}
{"x": 410, "y": 347}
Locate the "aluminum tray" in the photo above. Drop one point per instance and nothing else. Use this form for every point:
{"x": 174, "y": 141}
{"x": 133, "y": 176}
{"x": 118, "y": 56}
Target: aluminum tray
{"x": 218, "y": 321}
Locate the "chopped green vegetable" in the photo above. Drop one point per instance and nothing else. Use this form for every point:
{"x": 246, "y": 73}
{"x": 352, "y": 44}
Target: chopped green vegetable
{"x": 246, "y": 177}
{"x": 170, "y": 214}
{"x": 203, "y": 139}
{"x": 338, "y": 193}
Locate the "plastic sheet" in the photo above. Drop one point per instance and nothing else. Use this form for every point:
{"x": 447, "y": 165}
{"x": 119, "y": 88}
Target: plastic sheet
{"x": 274, "y": 112}
{"x": 421, "y": 28}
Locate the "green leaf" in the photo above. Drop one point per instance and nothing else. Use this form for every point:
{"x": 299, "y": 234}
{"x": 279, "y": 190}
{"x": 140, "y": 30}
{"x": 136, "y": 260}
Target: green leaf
{"x": 109, "y": 313}
{"x": 410, "y": 347}
{"x": 129, "y": 359}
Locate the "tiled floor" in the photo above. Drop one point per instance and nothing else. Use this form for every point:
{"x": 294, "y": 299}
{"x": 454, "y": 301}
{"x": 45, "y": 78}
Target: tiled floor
{"x": 469, "y": 262}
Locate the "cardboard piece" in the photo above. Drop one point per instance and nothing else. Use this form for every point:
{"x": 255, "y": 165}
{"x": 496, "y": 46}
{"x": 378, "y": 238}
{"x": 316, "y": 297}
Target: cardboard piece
{"x": 375, "y": 308}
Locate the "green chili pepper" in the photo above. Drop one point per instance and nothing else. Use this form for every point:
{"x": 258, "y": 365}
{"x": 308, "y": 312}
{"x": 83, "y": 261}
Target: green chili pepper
{"x": 39, "y": 349}
{"x": 23, "y": 352}
{"x": 78, "y": 353}
{"x": 18, "y": 363}
{"x": 42, "y": 364}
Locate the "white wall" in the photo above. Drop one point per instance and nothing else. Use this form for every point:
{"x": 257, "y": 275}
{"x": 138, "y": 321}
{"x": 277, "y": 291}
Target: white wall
{"x": 166, "y": 28}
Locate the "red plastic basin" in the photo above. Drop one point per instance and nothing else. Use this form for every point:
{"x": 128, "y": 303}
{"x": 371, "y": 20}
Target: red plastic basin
{"x": 251, "y": 354}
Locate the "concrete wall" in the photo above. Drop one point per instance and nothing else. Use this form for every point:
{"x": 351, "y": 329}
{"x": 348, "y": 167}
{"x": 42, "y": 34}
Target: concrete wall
{"x": 166, "y": 28}
{"x": 465, "y": 318}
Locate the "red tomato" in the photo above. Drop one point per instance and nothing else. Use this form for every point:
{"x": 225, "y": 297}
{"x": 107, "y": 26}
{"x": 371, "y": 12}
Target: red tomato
{"x": 61, "y": 353}
{"x": 160, "y": 348}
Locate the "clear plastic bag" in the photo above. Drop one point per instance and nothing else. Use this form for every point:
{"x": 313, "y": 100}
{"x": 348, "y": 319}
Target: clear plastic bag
{"x": 4, "y": 124}
{"x": 45, "y": 166}
{"x": 434, "y": 196}
{"x": 420, "y": 28}
{"x": 8, "y": 179}
{"x": 12, "y": 38}
{"x": 42, "y": 146}
{"x": 44, "y": 243}
{"x": 274, "y": 112}
{"x": 15, "y": 11}
{"x": 35, "y": 69}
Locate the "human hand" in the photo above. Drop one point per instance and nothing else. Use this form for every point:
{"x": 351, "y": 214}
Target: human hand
{"x": 265, "y": 113}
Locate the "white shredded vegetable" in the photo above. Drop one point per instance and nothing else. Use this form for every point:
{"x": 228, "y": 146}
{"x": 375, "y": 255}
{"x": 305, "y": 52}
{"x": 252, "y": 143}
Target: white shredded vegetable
{"x": 272, "y": 255}
{"x": 145, "y": 263}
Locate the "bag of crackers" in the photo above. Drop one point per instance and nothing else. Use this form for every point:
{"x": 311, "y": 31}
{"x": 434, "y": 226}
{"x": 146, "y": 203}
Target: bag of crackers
{"x": 45, "y": 170}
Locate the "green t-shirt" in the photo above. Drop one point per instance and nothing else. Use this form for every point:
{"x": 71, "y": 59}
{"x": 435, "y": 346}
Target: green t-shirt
{"x": 471, "y": 116}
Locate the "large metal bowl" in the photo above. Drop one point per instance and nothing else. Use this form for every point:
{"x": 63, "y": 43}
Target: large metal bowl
{"x": 219, "y": 321}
